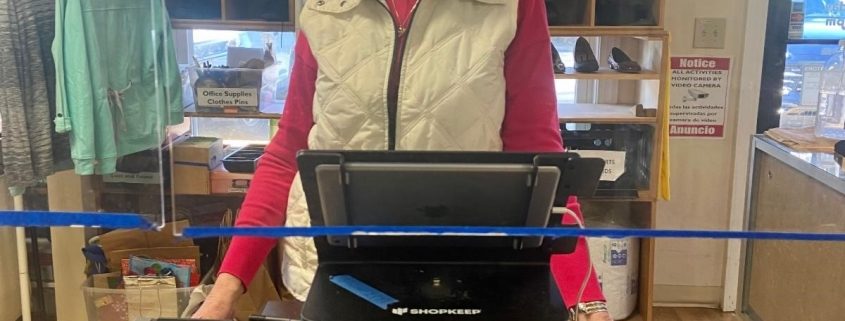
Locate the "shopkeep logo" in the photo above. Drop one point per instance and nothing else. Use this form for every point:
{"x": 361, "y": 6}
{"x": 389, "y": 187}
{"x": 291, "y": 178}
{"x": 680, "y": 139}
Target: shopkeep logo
{"x": 404, "y": 311}
{"x": 400, "y": 311}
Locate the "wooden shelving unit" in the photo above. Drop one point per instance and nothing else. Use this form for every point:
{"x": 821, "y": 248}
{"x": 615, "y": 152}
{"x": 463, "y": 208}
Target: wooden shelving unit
{"x": 616, "y": 94}
{"x": 607, "y": 74}
{"x": 602, "y": 113}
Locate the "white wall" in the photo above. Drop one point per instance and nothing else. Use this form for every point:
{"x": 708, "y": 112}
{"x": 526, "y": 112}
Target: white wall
{"x": 691, "y": 271}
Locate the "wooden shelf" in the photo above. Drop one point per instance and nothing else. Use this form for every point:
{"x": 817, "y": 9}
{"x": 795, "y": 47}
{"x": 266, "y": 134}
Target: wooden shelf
{"x": 601, "y": 114}
{"x": 651, "y": 33}
{"x": 607, "y": 74}
{"x": 190, "y": 111}
{"x": 241, "y": 25}
{"x": 641, "y": 198}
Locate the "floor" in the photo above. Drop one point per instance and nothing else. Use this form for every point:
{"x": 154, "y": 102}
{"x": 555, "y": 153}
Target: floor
{"x": 692, "y": 314}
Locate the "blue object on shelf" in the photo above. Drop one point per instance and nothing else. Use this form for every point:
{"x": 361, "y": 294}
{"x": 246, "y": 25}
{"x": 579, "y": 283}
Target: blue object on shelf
{"x": 364, "y": 291}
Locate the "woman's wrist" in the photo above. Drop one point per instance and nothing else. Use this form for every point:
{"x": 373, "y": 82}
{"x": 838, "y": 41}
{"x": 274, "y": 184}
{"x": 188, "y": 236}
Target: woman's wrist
{"x": 227, "y": 287}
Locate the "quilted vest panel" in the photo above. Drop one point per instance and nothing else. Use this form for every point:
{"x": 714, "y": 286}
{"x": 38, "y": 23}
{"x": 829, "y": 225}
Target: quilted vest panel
{"x": 451, "y": 91}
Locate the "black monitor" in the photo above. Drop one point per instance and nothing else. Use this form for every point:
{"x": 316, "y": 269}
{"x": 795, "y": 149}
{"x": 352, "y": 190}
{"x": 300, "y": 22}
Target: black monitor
{"x": 488, "y": 189}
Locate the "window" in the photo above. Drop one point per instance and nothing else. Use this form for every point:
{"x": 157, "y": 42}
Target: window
{"x": 233, "y": 48}
{"x": 802, "y": 75}
{"x": 806, "y": 34}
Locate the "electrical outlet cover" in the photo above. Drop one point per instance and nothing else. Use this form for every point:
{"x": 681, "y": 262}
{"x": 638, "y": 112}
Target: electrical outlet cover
{"x": 710, "y": 33}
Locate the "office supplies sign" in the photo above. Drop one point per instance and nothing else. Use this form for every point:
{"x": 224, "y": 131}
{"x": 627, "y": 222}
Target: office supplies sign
{"x": 698, "y": 99}
{"x": 221, "y": 97}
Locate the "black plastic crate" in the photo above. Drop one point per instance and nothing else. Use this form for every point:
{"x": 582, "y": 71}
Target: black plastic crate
{"x": 635, "y": 140}
{"x": 244, "y": 160}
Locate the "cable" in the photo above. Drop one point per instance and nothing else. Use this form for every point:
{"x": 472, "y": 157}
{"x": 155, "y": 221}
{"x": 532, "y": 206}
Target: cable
{"x": 570, "y": 213}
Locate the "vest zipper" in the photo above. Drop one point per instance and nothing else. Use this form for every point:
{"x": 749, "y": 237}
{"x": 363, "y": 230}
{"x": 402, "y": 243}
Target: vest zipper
{"x": 400, "y": 40}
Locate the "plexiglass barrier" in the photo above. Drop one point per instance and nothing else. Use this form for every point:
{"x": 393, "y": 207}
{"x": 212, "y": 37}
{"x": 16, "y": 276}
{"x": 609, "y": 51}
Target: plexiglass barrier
{"x": 153, "y": 136}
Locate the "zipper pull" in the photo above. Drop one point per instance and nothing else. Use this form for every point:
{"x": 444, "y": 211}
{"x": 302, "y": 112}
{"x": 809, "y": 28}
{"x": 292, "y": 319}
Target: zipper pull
{"x": 401, "y": 31}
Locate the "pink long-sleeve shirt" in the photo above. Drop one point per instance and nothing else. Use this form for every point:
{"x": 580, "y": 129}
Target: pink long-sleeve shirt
{"x": 531, "y": 125}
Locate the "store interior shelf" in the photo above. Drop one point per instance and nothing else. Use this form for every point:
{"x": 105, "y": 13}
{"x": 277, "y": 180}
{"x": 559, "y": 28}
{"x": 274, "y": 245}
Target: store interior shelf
{"x": 641, "y": 198}
{"x": 272, "y": 113}
{"x": 602, "y": 114}
{"x": 242, "y": 25}
{"x": 608, "y": 74}
{"x": 635, "y": 32}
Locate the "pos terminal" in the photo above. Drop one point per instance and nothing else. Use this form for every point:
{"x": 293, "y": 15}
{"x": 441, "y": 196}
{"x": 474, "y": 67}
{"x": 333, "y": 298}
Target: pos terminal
{"x": 439, "y": 277}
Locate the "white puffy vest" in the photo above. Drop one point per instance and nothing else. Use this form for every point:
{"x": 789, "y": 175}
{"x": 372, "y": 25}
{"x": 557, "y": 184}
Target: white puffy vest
{"x": 451, "y": 90}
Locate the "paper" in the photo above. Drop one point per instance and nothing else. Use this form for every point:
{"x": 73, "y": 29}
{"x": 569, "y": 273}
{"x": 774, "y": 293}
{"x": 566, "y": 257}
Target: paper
{"x": 614, "y": 162}
{"x": 151, "y": 297}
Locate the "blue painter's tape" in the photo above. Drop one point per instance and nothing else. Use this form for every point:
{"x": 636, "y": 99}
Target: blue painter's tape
{"x": 74, "y": 219}
{"x": 364, "y": 291}
{"x": 281, "y": 232}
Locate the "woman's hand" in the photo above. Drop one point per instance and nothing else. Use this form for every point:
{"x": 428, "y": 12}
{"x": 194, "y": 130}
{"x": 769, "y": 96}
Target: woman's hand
{"x": 220, "y": 303}
{"x": 599, "y": 316}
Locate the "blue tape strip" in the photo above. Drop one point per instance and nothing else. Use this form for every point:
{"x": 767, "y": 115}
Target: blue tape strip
{"x": 66, "y": 219}
{"x": 281, "y": 232}
{"x": 364, "y": 291}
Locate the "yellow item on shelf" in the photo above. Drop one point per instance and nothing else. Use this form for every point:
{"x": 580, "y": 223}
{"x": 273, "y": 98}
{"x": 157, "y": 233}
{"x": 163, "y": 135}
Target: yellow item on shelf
{"x": 664, "y": 191}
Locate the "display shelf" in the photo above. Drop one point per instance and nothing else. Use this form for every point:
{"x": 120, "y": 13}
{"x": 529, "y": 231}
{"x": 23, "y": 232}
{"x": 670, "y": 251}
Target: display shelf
{"x": 273, "y": 114}
{"x": 650, "y": 33}
{"x": 608, "y": 74}
{"x": 601, "y": 114}
{"x": 241, "y": 25}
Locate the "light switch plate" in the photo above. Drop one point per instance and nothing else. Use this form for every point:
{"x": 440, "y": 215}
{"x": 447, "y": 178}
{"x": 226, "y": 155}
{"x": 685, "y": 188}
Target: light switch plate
{"x": 710, "y": 33}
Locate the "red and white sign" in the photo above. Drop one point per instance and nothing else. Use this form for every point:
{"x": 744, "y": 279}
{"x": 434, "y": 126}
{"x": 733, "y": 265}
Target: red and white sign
{"x": 698, "y": 99}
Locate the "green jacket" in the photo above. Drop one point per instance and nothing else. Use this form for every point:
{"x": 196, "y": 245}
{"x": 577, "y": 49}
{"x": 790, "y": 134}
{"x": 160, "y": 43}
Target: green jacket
{"x": 118, "y": 83}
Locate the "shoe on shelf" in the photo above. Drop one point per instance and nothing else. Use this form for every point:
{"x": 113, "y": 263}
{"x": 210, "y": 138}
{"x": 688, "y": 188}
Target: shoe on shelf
{"x": 557, "y": 63}
{"x": 620, "y": 62}
{"x": 585, "y": 59}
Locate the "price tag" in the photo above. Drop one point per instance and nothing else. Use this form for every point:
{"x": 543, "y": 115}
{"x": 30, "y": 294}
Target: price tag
{"x": 614, "y": 162}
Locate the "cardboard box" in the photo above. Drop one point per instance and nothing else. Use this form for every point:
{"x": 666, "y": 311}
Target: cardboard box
{"x": 133, "y": 239}
{"x": 199, "y": 151}
{"x": 224, "y": 182}
{"x": 191, "y": 180}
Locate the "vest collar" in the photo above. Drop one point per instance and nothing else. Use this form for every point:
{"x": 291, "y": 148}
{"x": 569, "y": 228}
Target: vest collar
{"x": 341, "y": 6}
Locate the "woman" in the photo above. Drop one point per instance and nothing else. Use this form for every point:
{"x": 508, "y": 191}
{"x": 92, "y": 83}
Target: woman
{"x": 472, "y": 75}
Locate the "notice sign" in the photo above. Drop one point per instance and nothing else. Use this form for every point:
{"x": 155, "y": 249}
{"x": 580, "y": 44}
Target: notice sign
{"x": 222, "y": 97}
{"x": 699, "y": 96}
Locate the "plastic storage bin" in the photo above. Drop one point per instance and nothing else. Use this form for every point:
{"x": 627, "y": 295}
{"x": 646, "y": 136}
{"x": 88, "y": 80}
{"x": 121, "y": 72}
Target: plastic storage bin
{"x": 103, "y": 304}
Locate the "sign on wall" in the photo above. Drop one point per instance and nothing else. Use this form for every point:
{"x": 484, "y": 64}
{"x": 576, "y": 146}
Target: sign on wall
{"x": 699, "y": 97}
